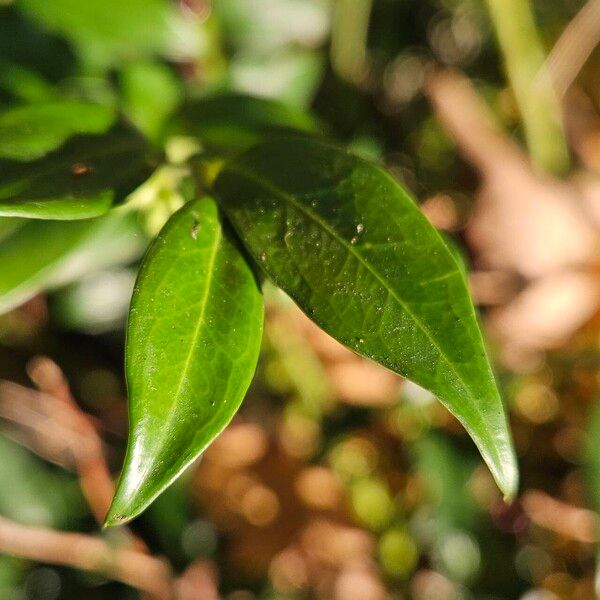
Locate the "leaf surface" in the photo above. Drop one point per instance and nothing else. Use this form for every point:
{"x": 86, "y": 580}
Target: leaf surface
{"x": 39, "y": 255}
{"x": 82, "y": 179}
{"x": 233, "y": 122}
{"x": 111, "y": 32}
{"x": 193, "y": 339}
{"x": 344, "y": 240}
{"x": 30, "y": 132}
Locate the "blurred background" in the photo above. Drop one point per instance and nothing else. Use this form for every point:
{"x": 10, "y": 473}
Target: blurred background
{"x": 337, "y": 479}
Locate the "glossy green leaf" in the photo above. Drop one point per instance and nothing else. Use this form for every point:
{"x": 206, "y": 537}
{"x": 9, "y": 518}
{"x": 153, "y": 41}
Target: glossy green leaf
{"x": 343, "y": 239}
{"x": 233, "y": 122}
{"x": 41, "y": 255}
{"x": 82, "y": 179}
{"x": 30, "y": 132}
{"x": 193, "y": 339}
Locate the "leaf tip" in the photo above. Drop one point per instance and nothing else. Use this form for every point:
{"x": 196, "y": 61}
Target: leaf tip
{"x": 506, "y": 474}
{"x": 116, "y": 515}
{"x": 129, "y": 499}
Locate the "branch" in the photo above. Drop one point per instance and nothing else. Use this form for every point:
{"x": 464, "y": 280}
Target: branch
{"x": 472, "y": 125}
{"x": 574, "y": 47}
{"x": 59, "y": 432}
{"x": 571, "y": 522}
{"x": 94, "y": 476}
{"x": 145, "y": 573}
{"x": 51, "y": 424}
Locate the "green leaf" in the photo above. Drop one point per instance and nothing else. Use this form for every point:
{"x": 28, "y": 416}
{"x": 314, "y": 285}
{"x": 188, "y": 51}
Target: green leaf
{"x": 343, "y": 239}
{"x": 37, "y": 494}
{"x": 42, "y": 55}
{"x": 82, "y": 179}
{"x": 30, "y": 132}
{"x": 41, "y": 255}
{"x": 193, "y": 339}
{"x": 151, "y": 92}
{"x": 233, "y": 122}
{"x": 24, "y": 84}
{"x": 109, "y": 32}
{"x": 8, "y": 225}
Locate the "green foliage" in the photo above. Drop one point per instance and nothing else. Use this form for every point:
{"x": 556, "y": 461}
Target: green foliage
{"x": 82, "y": 179}
{"x": 335, "y": 232}
{"x": 193, "y": 339}
{"x": 38, "y": 255}
{"x": 30, "y": 132}
{"x": 233, "y": 122}
{"x": 109, "y": 31}
{"x": 151, "y": 92}
{"x": 41, "y": 498}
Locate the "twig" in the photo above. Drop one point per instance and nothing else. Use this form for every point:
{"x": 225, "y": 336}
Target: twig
{"x": 51, "y": 424}
{"x": 472, "y": 124}
{"x": 571, "y": 522}
{"x": 574, "y": 47}
{"x": 94, "y": 476}
{"x": 145, "y": 573}
{"x": 59, "y": 432}
{"x": 518, "y": 209}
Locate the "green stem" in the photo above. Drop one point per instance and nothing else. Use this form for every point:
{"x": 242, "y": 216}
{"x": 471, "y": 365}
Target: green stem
{"x": 524, "y": 58}
{"x": 349, "y": 32}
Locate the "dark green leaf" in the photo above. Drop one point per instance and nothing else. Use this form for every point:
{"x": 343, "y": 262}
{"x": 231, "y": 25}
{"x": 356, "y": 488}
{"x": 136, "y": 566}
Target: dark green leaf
{"x": 41, "y": 255}
{"x": 192, "y": 344}
{"x": 234, "y": 122}
{"x": 24, "y": 84}
{"x": 81, "y": 179}
{"x": 24, "y": 45}
{"x": 30, "y": 132}
{"x": 343, "y": 239}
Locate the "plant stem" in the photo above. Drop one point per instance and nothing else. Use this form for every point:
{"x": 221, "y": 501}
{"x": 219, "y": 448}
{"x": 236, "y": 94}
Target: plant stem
{"x": 350, "y": 29}
{"x": 524, "y": 59}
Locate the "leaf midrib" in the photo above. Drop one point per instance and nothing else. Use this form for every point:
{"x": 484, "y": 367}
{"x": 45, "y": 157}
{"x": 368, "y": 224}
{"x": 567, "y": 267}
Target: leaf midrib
{"x": 196, "y": 334}
{"x": 235, "y": 167}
